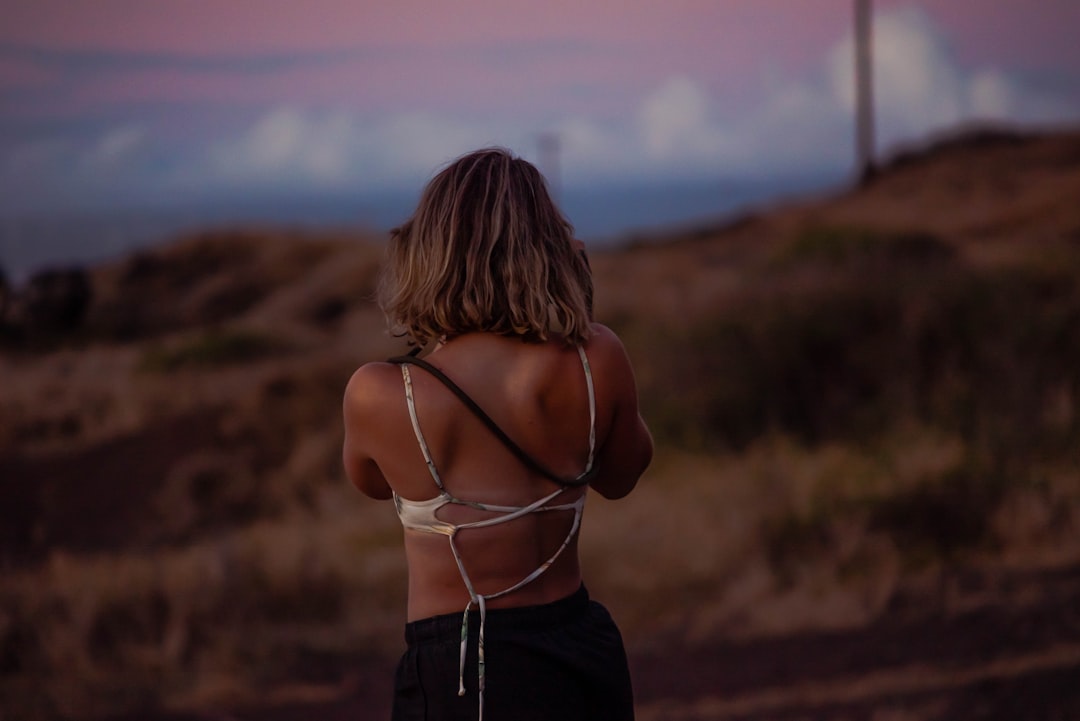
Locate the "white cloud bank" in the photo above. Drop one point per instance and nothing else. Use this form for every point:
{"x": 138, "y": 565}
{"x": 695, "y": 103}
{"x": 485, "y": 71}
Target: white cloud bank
{"x": 807, "y": 126}
{"x": 336, "y": 150}
{"x": 287, "y": 142}
{"x": 678, "y": 129}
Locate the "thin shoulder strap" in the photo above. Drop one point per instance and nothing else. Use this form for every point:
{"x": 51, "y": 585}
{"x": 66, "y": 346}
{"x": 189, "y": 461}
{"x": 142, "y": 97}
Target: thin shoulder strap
{"x": 506, "y": 440}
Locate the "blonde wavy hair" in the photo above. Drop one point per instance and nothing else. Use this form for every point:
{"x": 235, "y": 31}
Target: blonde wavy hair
{"x": 486, "y": 250}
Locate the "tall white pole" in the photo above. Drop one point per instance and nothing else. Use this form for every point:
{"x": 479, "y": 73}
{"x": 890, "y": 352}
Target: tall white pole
{"x": 864, "y": 89}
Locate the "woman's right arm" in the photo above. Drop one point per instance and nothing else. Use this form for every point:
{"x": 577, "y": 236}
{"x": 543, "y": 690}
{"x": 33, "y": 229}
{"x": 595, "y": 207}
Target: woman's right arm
{"x": 627, "y": 449}
{"x": 362, "y": 409}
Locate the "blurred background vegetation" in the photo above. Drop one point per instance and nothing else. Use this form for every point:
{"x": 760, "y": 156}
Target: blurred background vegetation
{"x": 855, "y": 398}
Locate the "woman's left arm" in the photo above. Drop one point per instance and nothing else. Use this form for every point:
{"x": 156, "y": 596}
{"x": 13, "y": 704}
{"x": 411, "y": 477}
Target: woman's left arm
{"x": 361, "y": 412}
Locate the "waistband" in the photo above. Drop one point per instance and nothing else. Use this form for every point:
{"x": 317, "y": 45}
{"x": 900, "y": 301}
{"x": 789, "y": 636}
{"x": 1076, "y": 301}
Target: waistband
{"x": 447, "y": 626}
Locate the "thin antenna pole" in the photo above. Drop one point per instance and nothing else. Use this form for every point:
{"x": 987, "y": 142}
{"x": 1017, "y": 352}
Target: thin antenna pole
{"x": 864, "y": 89}
{"x": 548, "y": 146}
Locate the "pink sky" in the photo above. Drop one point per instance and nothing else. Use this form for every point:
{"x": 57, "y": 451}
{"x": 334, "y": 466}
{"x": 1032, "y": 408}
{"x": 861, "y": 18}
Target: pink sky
{"x": 1040, "y": 32}
{"x": 207, "y": 92}
{"x": 408, "y": 42}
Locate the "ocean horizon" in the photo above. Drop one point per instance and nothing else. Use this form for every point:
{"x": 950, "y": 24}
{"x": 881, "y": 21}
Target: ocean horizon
{"x": 602, "y": 215}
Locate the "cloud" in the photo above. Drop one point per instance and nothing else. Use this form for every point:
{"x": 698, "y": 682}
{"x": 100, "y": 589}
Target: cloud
{"x": 410, "y": 144}
{"x": 679, "y": 133}
{"x": 337, "y": 149}
{"x": 286, "y": 142}
{"x": 674, "y": 120}
{"x": 991, "y": 95}
{"x": 112, "y": 149}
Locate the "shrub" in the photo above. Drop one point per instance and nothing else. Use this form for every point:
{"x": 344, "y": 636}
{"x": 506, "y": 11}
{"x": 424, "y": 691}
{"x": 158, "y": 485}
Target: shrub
{"x": 943, "y": 517}
{"x": 989, "y": 354}
{"x": 57, "y": 300}
{"x": 814, "y": 366}
{"x": 211, "y": 349}
{"x": 5, "y": 292}
{"x": 838, "y": 245}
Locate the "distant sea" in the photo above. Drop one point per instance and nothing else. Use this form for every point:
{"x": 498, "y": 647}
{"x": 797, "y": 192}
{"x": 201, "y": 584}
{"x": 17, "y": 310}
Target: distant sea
{"x": 602, "y": 215}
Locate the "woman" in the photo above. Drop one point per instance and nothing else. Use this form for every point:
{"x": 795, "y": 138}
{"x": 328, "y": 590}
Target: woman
{"x": 488, "y": 448}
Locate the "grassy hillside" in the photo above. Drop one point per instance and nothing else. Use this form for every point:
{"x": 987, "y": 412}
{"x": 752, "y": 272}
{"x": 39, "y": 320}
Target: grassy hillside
{"x": 857, "y": 399}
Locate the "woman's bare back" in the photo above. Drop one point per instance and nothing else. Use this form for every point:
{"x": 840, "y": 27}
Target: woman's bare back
{"x": 538, "y": 394}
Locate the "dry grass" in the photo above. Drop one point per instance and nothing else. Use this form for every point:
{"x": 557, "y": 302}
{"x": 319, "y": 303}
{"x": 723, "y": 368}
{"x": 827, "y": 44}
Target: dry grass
{"x": 699, "y": 552}
{"x": 219, "y": 621}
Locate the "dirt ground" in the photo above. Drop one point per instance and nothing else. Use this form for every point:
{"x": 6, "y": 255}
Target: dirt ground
{"x": 981, "y": 645}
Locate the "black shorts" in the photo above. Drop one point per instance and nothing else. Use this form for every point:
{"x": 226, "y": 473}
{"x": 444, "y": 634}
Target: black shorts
{"x": 563, "y": 660}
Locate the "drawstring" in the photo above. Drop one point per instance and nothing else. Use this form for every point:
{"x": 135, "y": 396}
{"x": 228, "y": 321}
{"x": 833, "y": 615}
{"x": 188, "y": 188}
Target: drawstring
{"x": 480, "y": 602}
{"x": 464, "y": 647}
{"x": 480, "y": 654}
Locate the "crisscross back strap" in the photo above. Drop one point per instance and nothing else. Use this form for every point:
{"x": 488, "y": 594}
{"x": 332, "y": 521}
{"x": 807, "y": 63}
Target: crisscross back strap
{"x": 520, "y": 453}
